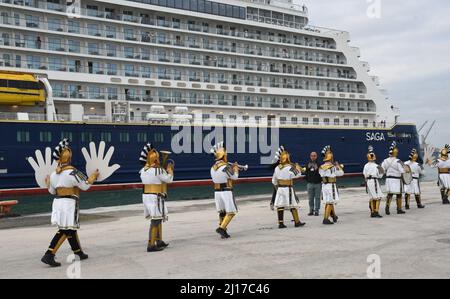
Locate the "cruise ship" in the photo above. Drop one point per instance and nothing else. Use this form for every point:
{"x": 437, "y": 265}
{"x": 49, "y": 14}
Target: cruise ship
{"x": 126, "y": 72}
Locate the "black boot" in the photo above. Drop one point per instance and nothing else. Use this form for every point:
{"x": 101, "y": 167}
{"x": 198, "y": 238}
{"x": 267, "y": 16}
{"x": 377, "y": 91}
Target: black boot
{"x": 281, "y": 226}
{"x": 388, "y": 212}
{"x": 83, "y": 256}
{"x": 407, "y": 197}
{"x": 419, "y": 202}
{"x": 154, "y": 248}
{"x": 222, "y": 233}
{"x": 400, "y": 212}
{"x": 49, "y": 259}
{"x": 327, "y": 222}
{"x": 300, "y": 224}
{"x": 162, "y": 244}
{"x": 388, "y": 204}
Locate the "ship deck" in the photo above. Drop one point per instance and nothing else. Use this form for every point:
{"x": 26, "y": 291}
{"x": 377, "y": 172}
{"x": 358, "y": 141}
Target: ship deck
{"x": 414, "y": 245}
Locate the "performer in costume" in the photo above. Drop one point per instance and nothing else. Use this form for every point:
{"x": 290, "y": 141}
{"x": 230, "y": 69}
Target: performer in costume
{"x": 223, "y": 174}
{"x": 66, "y": 183}
{"x": 329, "y": 171}
{"x": 372, "y": 173}
{"x": 413, "y": 189}
{"x": 394, "y": 169}
{"x": 155, "y": 178}
{"x": 443, "y": 166}
{"x": 283, "y": 181}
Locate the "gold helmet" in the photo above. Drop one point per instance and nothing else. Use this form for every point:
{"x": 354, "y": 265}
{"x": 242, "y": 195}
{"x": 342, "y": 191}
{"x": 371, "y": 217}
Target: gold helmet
{"x": 371, "y": 157}
{"x": 327, "y": 154}
{"x": 63, "y": 153}
{"x": 444, "y": 152}
{"x": 393, "y": 150}
{"x": 149, "y": 156}
{"x": 414, "y": 155}
{"x": 220, "y": 153}
{"x": 282, "y": 157}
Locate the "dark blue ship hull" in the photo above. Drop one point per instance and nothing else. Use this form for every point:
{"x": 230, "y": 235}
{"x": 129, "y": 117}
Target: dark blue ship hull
{"x": 20, "y": 140}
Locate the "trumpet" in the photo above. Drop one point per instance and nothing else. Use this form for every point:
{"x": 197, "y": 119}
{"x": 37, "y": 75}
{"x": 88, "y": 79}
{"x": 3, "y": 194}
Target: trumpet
{"x": 240, "y": 167}
{"x": 165, "y": 159}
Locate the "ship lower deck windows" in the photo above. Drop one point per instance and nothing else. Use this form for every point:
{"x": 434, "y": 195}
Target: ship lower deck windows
{"x": 23, "y": 136}
{"x": 67, "y": 135}
{"x": 142, "y": 137}
{"x": 45, "y": 136}
{"x": 86, "y": 137}
{"x": 158, "y": 138}
{"x": 124, "y": 137}
{"x": 105, "y": 136}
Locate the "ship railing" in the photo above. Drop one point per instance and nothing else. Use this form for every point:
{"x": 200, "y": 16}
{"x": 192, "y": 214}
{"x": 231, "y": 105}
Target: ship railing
{"x": 151, "y": 21}
{"x": 280, "y": 52}
{"x": 189, "y": 119}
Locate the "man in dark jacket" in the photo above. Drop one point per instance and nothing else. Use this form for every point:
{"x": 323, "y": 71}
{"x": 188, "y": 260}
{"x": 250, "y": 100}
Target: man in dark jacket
{"x": 314, "y": 186}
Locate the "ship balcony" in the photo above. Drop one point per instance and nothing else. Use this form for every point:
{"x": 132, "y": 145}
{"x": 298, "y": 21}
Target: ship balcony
{"x": 365, "y": 65}
{"x": 152, "y": 21}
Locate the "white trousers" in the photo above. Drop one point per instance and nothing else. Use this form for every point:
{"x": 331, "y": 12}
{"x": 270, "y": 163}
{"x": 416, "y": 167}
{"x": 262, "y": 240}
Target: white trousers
{"x": 225, "y": 202}
{"x": 286, "y": 198}
{"x": 155, "y": 207}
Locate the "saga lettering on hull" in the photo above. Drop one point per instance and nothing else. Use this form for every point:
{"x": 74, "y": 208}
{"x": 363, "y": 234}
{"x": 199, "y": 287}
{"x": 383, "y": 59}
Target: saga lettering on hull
{"x": 378, "y": 136}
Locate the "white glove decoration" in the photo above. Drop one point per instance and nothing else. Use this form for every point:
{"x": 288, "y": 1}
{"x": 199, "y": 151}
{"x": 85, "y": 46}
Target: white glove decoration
{"x": 99, "y": 161}
{"x": 43, "y": 168}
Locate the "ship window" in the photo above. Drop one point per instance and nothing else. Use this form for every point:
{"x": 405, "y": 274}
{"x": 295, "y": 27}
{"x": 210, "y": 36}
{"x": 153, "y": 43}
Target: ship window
{"x": 3, "y": 83}
{"x": 105, "y": 136}
{"x": 283, "y": 120}
{"x": 158, "y": 137}
{"x": 326, "y": 121}
{"x": 346, "y": 122}
{"x": 23, "y": 136}
{"x": 86, "y": 137}
{"x": 336, "y": 121}
{"x": 67, "y": 135}
{"x": 124, "y": 137}
{"x": 366, "y": 122}
{"x": 142, "y": 137}
{"x": 305, "y": 120}
{"x": 294, "y": 120}
{"x": 222, "y": 10}
{"x": 45, "y": 136}
{"x": 356, "y": 122}
{"x": 316, "y": 121}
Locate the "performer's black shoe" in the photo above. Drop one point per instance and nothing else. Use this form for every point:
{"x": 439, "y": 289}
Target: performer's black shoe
{"x": 300, "y": 224}
{"x": 420, "y": 206}
{"x": 388, "y": 212}
{"x": 281, "y": 226}
{"x": 373, "y": 215}
{"x": 327, "y": 222}
{"x": 223, "y": 233}
{"x": 407, "y": 207}
{"x": 154, "y": 248}
{"x": 162, "y": 244}
{"x": 316, "y": 214}
{"x": 49, "y": 259}
{"x": 445, "y": 201}
{"x": 377, "y": 215}
{"x": 311, "y": 214}
{"x": 83, "y": 256}
{"x": 335, "y": 219}
{"x": 401, "y": 212}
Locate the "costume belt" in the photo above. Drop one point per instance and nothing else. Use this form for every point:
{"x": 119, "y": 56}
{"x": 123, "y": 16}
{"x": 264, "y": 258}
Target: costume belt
{"x": 415, "y": 178}
{"x": 372, "y": 178}
{"x": 394, "y": 177}
{"x": 155, "y": 189}
{"x": 444, "y": 170}
{"x": 285, "y": 183}
{"x": 228, "y": 186}
{"x": 73, "y": 193}
{"x": 327, "y": 180}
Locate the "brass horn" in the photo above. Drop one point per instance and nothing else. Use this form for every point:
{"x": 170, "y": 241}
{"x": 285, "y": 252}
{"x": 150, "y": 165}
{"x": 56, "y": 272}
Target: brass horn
{"x": 165, "y": 159}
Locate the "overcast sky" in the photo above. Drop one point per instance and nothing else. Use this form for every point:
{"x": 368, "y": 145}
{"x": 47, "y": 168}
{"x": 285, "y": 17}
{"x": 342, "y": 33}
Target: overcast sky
{"x": 408, "y": 47}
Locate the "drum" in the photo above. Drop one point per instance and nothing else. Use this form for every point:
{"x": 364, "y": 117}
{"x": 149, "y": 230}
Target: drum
{"x": 407, "y": 176}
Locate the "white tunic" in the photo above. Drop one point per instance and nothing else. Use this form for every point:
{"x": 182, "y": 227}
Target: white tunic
{"x": 285, "y": 196}
{"x": 155, "y": 204}
{"x": 417, "y": 171}
{"x": 372, "y": 176}
{"x": 225, "y": 201}
{"x": 330, "y": 192}
{"x": 394, "y": 169}
{"x": 65, "y": 211}
{"x": 444, "y": 178}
